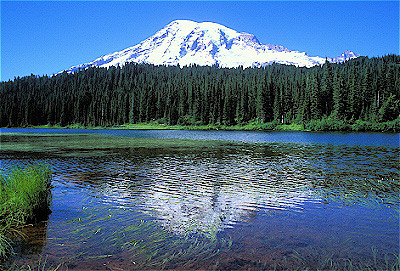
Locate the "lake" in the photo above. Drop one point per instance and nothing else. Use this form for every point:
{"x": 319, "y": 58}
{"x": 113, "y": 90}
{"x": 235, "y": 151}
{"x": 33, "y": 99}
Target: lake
{"x": 178, "y": 199}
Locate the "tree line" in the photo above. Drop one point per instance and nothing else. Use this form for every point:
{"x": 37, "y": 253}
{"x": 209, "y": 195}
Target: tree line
{"x": 364, "y": 89}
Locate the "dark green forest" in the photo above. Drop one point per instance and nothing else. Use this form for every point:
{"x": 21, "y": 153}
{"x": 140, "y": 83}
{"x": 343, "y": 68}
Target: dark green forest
{"x": 360, "y": 90}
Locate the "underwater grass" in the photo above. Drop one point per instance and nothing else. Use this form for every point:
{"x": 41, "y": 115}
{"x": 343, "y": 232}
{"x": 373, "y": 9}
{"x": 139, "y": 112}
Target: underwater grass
{"x": 384, "y": 190}
{"x": 145, "y": 242}
{"x": 41, "y": 265}
{"x": 24, "y": 198}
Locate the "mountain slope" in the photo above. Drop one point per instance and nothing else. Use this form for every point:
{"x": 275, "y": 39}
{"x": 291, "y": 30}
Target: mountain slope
{"x": 186, "y": 42}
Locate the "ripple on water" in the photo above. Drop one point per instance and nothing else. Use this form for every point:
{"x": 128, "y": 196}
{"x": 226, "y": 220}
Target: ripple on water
{"x": 241, "y": 205}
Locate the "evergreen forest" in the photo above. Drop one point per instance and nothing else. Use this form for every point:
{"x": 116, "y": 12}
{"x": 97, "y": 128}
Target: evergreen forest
{"x": 362, "y": 91}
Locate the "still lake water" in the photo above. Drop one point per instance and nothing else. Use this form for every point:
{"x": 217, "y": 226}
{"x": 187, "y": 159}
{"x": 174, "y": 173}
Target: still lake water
{"x": 173, "y": 199}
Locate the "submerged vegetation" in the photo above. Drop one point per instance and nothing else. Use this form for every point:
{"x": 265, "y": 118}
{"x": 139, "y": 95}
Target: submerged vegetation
{"x": 361, "y": 94}
{"x": 147, "y": 243}
{"x": 384, "y": 190}
{"x": 24, "y": 198}
{"x": 164, "y": 203}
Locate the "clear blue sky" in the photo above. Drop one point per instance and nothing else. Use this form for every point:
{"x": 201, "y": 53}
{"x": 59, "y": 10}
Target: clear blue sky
{"x": 47, "y": 37}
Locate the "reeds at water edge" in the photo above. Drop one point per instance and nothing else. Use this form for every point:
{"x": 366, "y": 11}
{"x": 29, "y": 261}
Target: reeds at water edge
{"x": 25, "y": 197}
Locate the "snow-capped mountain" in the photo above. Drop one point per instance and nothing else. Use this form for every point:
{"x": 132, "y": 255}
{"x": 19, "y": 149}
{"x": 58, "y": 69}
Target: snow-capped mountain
{"x": 343, "y": 57}
{"x": 186, "y": 42}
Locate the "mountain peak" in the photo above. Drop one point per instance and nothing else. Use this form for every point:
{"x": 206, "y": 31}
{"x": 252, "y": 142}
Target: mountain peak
{"x": 181, "y": 23}
{"x": 346, "y": 55}
{"x": 187, "y": 42}
{"x": 193, "y": 24}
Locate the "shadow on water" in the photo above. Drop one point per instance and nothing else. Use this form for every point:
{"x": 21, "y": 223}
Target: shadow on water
{"x": 148, "y": 203}
{"x": 32, "y": 239}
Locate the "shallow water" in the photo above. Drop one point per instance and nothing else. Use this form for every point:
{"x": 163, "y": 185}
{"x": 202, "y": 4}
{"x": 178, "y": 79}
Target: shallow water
{"x": 233, "y": 200}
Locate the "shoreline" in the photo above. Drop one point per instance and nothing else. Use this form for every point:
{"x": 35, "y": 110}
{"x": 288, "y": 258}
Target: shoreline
{"x": 149, "y": 126}
{"x": 317, "y": 126}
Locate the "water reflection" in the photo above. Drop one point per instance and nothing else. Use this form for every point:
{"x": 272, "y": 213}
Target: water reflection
{"x": 166, "y": 203}
{"x": 209, "y": 191}
{"x": 203, "y": 194}
{"x": 32, "y": 240}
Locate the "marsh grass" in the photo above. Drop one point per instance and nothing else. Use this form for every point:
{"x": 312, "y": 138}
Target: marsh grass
{"x": 24, "y": 198}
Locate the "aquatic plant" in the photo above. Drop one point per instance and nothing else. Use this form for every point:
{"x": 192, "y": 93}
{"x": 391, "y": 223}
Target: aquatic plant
{"x": 384, "y": 190}
{"x": 24, "y": 198}
{"x": 146, "y": 242}
{"x": 41, "y": 265}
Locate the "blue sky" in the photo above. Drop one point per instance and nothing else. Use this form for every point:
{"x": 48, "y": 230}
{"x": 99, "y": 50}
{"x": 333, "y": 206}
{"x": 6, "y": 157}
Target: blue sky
{"x": 47, "y": 37}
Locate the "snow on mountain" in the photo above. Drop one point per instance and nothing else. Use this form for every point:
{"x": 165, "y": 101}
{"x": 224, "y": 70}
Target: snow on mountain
{"x": 343, "y": 57}
{"x": 186, "y": 42}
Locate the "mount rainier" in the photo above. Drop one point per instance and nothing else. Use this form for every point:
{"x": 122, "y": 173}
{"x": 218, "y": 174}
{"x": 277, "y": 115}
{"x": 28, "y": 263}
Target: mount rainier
{"x": 186, "y": 42}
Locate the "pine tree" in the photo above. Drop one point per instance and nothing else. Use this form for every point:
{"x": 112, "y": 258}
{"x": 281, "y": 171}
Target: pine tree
{"x": 326, "y": 89}
{"x": 315, "y": 97}
{"x": 339, "y": 99}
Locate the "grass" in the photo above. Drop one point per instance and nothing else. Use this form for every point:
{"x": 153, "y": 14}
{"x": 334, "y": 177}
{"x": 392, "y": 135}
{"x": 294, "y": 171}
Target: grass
{"x": 41, "y": 265}
{"x": 149, "y": 245}
{"x": 107, "y": 232}
{"x": 97, "y": 145}
{"x": 358, "y": 190}
{"x": 324, "y": 124}
{"x": 24, "y": 198}
{"x": 250, "y": 126}
{"x": 331, "y": 124}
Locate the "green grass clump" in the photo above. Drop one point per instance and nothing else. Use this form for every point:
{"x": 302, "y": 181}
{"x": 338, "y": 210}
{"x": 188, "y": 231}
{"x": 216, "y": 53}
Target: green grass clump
{"x": 327, "y": 124}
{"x": 389, "y": 126}
{"x": 290, "y": 127}
{"x": 24, "y": 198}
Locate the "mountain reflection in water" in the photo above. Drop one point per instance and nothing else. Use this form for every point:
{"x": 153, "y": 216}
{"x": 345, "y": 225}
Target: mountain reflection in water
{"x": 203, "y": 194}
{"x": 168, "y": 203}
